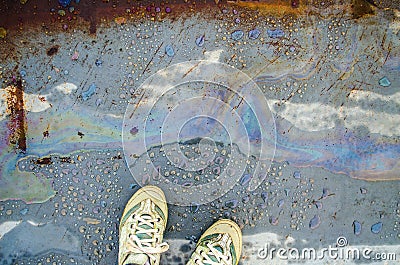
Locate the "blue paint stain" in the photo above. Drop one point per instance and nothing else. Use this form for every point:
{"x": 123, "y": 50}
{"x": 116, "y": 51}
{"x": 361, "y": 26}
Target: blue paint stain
{"x": 88, "y": 93}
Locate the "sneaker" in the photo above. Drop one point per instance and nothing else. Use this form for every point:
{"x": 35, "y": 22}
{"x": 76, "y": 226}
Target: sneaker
{"x": 221, "y": 244}
{"x": 142, "y": 227}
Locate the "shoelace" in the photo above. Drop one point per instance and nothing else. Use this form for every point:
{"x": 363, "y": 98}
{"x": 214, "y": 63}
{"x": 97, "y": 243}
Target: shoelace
{"x": 145, "y": 245}
{"x": 206, "y": 257}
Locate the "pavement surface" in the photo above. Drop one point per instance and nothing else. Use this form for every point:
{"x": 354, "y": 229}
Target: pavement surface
{"x": 283, "y": 116}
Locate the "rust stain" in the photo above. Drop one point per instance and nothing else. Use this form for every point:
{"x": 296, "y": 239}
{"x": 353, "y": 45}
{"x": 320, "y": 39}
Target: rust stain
{"x": 17, "y": 120}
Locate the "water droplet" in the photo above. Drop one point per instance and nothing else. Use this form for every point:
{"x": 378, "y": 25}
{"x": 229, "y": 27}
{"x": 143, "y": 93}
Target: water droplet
{"x": 280, "y": 203}
{"x": 297, "y": 175}
{"x": 357, "y": 228}
{"x": 231, "y": 203}
{"x": 264, "y": 196}
{"x": 24, "y": 211}
{"x": 325, "y": 193}
{"x": 273, "y": 220}
{"x": 194, "y": 207}
{"x": 315, "y": 222}
{"x": 277, "y": 33}
{"x": 169, "y": 50}
{"x": 384, "y": 81}
{"x": 98, "y": 62}
{"x": 254, "y": 34}
{"x": 237, "y": 35}
{"x": 88, "y": 93}
{"x": 376, "y": 228}
{"x": 244, "y": 179}
{"x": 246, "y": 199}
{"x": 200, "y": 41}
{"x": 318, "y": 204}
{"x": 216, "y": 170}
{"x": 134, "y": 130}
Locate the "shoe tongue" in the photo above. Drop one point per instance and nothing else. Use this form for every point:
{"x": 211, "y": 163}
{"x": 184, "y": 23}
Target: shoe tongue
{"x": 137, "y": 259}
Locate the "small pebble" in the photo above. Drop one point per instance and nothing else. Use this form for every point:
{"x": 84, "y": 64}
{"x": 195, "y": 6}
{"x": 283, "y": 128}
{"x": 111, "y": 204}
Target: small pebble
{"x": 376, "y": 228}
